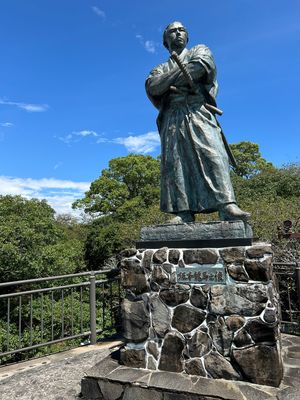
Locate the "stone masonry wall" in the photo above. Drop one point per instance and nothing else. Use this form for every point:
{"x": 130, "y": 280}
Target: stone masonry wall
{"x": 228, "y": 331}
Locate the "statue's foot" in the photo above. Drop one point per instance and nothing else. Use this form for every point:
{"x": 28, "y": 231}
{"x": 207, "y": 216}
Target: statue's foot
{"x": 231, "y": 212}
{"x": 183, "y": 217}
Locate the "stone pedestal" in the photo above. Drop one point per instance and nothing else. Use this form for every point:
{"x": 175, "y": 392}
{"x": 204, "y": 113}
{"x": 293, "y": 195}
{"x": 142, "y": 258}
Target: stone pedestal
{"x": 211, "y": 312}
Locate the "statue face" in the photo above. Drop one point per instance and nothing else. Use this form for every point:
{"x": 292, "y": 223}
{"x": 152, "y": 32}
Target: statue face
{"x": 176, "y": 36}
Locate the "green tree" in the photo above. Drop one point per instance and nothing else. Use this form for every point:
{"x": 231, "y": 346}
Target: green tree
{"x": 32, "y": 244}
{"x": 249, "y": 159}
{"x": 128, "y": 184}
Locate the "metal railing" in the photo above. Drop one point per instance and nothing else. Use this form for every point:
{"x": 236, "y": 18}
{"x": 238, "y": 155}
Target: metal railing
{"x": 288, "y": 281}
{"x": 46, "y": 311}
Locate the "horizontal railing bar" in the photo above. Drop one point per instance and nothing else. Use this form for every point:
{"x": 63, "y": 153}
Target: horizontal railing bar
{"x": 287, "y": 264}
{"x": 36, "y": 346}
{"x": 49, "y": 289}
{"x": 52, "y": 278}
{"x": 284, "y": 273}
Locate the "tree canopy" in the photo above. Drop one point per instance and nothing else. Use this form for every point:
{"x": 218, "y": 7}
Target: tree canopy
{"x": 129, "y": 182}
{"x": 249, "y": 160}
{"x": 32, "y": 244}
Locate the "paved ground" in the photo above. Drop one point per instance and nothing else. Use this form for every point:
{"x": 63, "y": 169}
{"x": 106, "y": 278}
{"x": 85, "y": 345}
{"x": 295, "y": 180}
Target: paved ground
{"x": 58, "y": 377}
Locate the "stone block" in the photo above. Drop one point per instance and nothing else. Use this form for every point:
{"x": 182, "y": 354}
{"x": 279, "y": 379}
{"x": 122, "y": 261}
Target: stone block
{"x": 174, "y": 256}
{"x": 147, "y": 259}
{"x": 139, "y": 393}
{"x": 258, "y": 251}
{"x": 199, "y": 344}
{"x": 171, "y": 358}
{"x": 233, "y": 254}
{"x": 197, "y": 231}
{"x": 195, "y": 367}
{"x": 160, "y": 256}
{"x": 161, "y": 316}
{"x": 260, "y": 332}
{"x": 135, "y": 358}
{"x": 238, "y": 273}
{"x": 160, "y": 276}
{"x": 218, "y": 367}
{"x": 259, "y": 270}
{"x": 234, "y": 299}
{"x": 260, "y": 364}
{"x": 111, "y": 390}
{"x": 175, "y": 295}
{"x": 198, "y": 297}
{"x": 235, "y": 322}
{"x": 90, "y": 389}
{"x": 136, "y": 320}
{"x": 186, "y": 318}
{"x": 200, "y": 256}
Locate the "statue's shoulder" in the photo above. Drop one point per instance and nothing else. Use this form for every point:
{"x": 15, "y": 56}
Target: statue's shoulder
{"x": 201, "y": 49}
{"x": 159, "y": 69}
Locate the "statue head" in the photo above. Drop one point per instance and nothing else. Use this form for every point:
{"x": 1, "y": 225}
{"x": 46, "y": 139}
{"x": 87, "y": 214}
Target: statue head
{"x": 175, "y": 36}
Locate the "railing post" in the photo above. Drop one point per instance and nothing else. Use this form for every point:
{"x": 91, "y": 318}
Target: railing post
{"x": 297, "y": 271}
{"x": 93, "y": 326}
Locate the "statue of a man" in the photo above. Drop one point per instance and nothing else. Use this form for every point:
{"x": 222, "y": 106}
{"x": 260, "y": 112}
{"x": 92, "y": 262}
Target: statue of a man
{"x": 195, "y": 174}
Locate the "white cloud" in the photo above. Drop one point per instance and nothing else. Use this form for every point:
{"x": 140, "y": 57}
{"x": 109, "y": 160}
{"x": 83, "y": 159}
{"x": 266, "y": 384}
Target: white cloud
{"x": 60, "y": 194}
{"x": 6, "y": 124}
{"x": 149, "y": 45}
{"x": 26, "y": 106}
{"x": 99, "y": 12}
{"x": 145, "y": 143}
{"x": 76, "y": 136}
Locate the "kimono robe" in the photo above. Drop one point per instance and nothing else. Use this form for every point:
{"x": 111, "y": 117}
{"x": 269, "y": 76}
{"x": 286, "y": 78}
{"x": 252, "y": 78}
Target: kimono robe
{"x": 195, "y": 174}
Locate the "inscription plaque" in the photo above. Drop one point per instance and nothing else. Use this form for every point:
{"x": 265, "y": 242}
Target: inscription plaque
{"x": 202, "y": 274}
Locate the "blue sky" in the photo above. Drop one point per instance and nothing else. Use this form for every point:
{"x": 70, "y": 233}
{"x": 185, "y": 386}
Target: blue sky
{"x": 72, "y": 78}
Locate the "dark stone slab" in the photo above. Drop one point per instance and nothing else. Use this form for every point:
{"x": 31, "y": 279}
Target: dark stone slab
{"x": 238, "y": 299}
{"x": 171, "y": 354}
{"x": 160, "y": 256}
{"x": 175, "y": 295}
{"x": 135, "y": 358}
{"x": 198, "y": 298}
{"x": 200, "y": 256}
{"x": 258, "y": 251}
{"x": 259, "y": 270}
{"x": 235, "y": 322}
{"x": 233, "y": 254}
{"x": 134, "y": 276}
{"x": 147, "y": 259}
{"x": 199, "y": 344}
{"x": 186, "y": 318}
{"x": 136, "y": 320}
{"x": 153, "y": 349}
{"x": 174, "y": 256}
{"x": 175, "y": 386}
{"x": 260, "y": 364}
{"x": 221, "y": 336}
{"x": 139, "y": 393}
{"x": 110, "y": 390}
{"x": 190, "y": 244}
{"x": 218, "y": 367}
{"x": 197, "y": 231}
{"x": 238, "y": 272}
{"x": 260, "y": 332}
{"x": 195, "y": 367}
{"x": 161, "y": 318}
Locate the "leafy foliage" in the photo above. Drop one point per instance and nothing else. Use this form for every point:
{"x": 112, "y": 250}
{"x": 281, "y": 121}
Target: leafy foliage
{"x": 32, "y": 244}
{"x": 130, "y": 182}
{"x": 249, "y": 160}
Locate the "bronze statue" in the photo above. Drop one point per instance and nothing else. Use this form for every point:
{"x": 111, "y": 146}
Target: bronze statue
{"x": 195, "y": 173}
